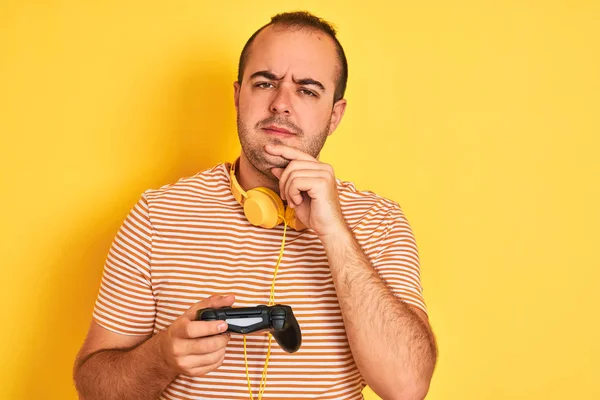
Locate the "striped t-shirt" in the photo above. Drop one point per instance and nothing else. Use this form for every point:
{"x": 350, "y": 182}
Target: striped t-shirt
{"x": 189, "y": 240}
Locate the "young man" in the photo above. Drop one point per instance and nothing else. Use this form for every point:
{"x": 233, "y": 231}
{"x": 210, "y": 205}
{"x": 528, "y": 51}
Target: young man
{"x": 349, "y": 269}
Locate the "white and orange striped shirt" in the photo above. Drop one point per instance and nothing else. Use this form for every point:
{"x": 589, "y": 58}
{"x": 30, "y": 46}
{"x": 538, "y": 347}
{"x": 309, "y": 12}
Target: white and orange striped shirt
{"x": 189, "y": 240}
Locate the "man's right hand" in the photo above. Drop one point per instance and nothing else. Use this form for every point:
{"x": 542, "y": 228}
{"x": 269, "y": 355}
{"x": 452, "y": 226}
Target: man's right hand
{"x": 195, "y": 348}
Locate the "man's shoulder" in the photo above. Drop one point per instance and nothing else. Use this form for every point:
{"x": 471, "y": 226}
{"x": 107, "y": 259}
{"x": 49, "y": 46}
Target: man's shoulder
{"x": 208, "y": 182}
{"x": 354, "y": 200}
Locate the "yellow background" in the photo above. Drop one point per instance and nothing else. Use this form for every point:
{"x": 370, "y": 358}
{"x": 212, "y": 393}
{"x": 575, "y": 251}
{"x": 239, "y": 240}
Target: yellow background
{"x": 480, "y": 118}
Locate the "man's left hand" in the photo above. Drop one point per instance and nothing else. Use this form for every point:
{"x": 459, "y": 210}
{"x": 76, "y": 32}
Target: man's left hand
{"x": 309, "y": 186}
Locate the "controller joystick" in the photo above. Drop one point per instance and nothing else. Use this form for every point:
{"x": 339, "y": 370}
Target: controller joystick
{"x": 279, "y": 320}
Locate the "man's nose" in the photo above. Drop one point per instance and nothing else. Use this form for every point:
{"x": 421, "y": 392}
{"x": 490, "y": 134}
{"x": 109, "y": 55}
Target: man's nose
{"x": 282, "y": 103}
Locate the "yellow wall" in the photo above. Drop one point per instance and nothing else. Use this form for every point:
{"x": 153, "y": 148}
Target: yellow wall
{"x": 481, "y": 119}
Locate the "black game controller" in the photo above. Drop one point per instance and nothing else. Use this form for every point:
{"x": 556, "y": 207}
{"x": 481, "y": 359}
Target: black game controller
{"x": 278, "y": 319}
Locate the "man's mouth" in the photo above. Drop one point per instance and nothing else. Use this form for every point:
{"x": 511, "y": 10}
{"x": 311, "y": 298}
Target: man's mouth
{"x": 277, "y": 130}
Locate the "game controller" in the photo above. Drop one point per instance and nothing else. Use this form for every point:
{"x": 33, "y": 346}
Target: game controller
{"x": 279, "y": 320}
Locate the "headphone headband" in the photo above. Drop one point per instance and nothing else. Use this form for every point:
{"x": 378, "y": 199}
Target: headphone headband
{"x": 262, "y": 206}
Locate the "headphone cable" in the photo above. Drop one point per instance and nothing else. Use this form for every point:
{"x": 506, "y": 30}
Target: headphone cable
{"x": 263, "y": 380}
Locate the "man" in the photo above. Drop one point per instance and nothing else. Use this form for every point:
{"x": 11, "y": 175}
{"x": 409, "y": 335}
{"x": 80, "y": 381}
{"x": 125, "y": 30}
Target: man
{"x": 351, "y": 275}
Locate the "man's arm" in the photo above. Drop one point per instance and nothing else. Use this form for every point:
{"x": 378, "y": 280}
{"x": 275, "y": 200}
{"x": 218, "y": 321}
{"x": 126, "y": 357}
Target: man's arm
{"x": 114, "y": 366}
{"x": 125, "y": 367}
{"x": 391, "y": 341}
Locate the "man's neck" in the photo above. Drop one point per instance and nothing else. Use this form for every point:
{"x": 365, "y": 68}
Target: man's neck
{"x": 249, "y": 177}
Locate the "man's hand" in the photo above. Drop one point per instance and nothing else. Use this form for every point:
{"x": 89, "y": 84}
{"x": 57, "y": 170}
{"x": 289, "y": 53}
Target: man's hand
{"x": 196, "y": 348}
{"x": 309, "y": 186}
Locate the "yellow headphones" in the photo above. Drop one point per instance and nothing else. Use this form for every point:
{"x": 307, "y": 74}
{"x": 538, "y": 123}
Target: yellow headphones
{"x": 262, "y": 206}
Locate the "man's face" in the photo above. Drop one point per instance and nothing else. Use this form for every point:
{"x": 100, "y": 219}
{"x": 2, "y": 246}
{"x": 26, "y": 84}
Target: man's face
{"x": 286, "y": 95}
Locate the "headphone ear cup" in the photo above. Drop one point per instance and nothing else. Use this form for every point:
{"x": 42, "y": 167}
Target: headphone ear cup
{"x": 292, "y": 220}
{"x": 263, "y": 208}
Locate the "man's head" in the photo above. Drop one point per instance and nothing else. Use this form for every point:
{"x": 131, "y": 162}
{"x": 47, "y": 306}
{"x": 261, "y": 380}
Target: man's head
{"x": 292, "y": 77}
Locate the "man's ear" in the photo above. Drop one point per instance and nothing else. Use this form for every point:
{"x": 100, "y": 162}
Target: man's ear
{"x": 336, "y": 114}
{"x": 236, "y": 94}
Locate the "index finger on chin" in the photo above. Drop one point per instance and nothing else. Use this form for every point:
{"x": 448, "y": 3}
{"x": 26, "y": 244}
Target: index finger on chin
{"x": 288, "y": 152}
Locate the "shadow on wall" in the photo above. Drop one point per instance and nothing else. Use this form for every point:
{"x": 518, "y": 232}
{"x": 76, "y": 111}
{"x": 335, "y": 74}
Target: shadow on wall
{"x": 203, "y": 133}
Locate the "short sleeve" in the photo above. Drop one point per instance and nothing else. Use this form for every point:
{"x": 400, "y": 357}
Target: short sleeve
{"x": 396, "y": 259}
{"x": 125, "y": 302}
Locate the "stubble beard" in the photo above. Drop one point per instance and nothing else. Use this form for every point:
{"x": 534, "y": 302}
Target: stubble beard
{"x": 262, "y": 162}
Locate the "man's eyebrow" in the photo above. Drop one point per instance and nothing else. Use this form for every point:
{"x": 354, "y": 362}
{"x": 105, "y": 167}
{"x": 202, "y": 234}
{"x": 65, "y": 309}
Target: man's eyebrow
{"x": 271, "y": 76}
{"x": 308, "y": 81}
{"x": 265, "y": 74}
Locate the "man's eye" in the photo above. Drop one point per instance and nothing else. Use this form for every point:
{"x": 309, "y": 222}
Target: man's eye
{"x": 264, "y": 85}
{"x": 308, "y": 92}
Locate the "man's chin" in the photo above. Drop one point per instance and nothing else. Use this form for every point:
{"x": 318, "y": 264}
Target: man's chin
{"x": 272, "y": 161}
{"x": 264, "y": 163}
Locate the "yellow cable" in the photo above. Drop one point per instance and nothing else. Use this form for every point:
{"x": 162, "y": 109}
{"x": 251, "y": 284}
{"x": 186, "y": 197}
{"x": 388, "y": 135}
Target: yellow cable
{"x": 263, "y": 379}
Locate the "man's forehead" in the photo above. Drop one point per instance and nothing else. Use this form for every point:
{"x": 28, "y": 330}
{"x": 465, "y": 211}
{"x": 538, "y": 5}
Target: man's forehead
{"x": 300, "y": 51}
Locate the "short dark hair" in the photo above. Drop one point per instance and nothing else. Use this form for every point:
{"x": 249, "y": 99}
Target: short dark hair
{"x": 306, "y": 20}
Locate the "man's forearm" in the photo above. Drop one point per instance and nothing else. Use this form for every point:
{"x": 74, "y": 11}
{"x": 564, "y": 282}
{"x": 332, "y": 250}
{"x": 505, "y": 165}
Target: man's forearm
{"x": 136, "y": 373}
{"x": 393, "y": 347}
